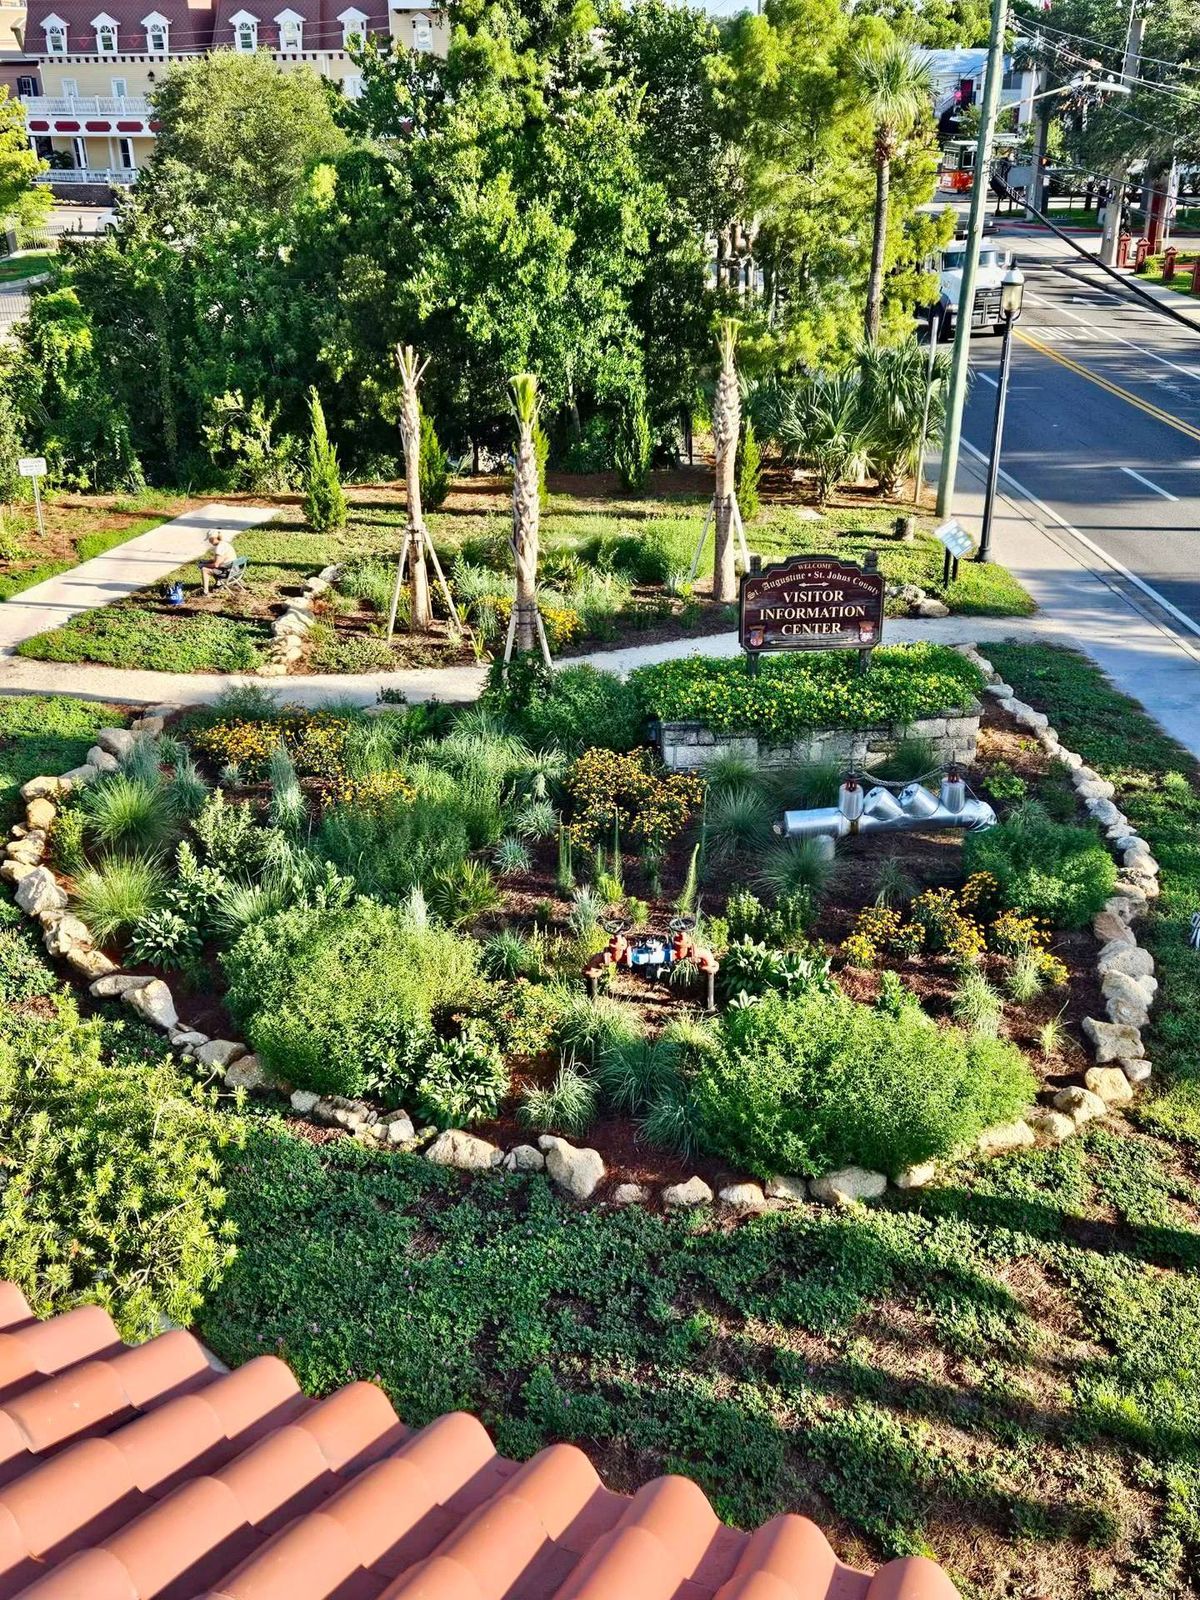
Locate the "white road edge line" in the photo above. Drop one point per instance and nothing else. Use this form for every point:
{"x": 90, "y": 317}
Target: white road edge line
{"x": 987, "y": 377}
{"x": 1107, "y": 333}
{"x": 1166, "y": 494}
{"x": 1111, "y": 561}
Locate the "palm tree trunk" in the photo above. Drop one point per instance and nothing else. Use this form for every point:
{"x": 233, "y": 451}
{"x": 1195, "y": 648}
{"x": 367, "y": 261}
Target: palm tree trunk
{"x": 883, "y": 182}
{"x": 525, "y": 519}
{"x": 726, "y": 429}
{"x": 420, "y": 611}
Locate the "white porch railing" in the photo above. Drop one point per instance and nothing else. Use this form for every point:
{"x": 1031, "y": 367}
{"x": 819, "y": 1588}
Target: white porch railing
{"x": 120, "y": 177}
{"x": 96, "y": 105}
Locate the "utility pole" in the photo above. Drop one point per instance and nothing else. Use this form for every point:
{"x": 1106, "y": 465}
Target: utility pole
{"x": 1041, "y": 133}
{"x": 1116, "y": 200}
{"x": 966, "y": 300}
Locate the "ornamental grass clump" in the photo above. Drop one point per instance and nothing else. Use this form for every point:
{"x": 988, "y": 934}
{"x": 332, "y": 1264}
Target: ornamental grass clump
{"x": 793, "y": 694}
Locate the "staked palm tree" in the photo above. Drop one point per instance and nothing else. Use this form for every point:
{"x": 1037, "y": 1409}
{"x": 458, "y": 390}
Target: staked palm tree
{"x": 726, "y": 424}
{"x": 420, "y": 611}
{"x": 893, "y": 88}
{"x": 526, "y": 507}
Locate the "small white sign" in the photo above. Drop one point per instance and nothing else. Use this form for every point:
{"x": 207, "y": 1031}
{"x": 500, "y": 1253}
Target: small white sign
{"x": 31, "y": 466}
{"x": 955, "y": 538}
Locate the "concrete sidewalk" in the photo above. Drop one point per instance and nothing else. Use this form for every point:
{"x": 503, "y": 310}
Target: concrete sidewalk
{"x": 121, "y": 571}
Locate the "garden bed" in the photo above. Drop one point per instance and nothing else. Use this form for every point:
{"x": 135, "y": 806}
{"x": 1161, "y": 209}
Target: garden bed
{"x": 613, "y": 573}
{"x": 78, "y": 528}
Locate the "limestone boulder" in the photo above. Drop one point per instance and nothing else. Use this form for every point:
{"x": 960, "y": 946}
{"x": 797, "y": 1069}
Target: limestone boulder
{"x": 247, "y": 1073}
{"x": 1081, "y": 1105}
{"x": 398, "y": 1127}
{"x": 303, "y": 1102}
{"x": 1111, "y": 1084}
{"x": 1053, "y": 1126}
{"x": 1112, "y": 1040}
{"x": 79, "y": 776}
{"x": 17, "y": 871}
{"x": 1137, "y": 1069}
{"x": 40, "y": 892}
{"x": 153, "y": 1002}
{"x": 784, "y": 1188}
{"x": 102, "y": 760}
{"x": 1104, "y": 812}
{"x": 1132, "y": 960}
{"x": 456, "y": 1148}
{"x": 1005, "y": 1136}
{"x": 524, "y": 1158}
{"x": 578, "y": 1171}
{"x": 681, "y": 1196}
{"x": 219, "y": 1052}
{"x": 1112, "y": 929}
{"x": 88, "y": 963}
{"x": 64, "y": 934}
{"x": 848, "y": 1186}
{"x": 114, "y": 984}
{"x": 116, "y": 742}
{"x": 40, "y": 813}
{"x": 742, "y": 1196}
{"x": 150, "y": 723}
{"x": 630, "y": 1194}
{"x": 919, "y": 1176}
{"x": 45, "y": 788}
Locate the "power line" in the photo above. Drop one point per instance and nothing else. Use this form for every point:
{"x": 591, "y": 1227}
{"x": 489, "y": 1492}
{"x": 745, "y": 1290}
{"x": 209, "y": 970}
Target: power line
{"x": 1113, "y": 49}
{"x": 1172, "y": 91}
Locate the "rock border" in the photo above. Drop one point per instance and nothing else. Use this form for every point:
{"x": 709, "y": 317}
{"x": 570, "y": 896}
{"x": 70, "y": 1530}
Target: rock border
{"x": 1125, "y": 970}
{"x": 293, "y": 623}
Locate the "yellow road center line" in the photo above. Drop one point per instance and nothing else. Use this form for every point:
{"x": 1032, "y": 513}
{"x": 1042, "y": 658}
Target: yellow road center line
{"x": 1112, "y": 388}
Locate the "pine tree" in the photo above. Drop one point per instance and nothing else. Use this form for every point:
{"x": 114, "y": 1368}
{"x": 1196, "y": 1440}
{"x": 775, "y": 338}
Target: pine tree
{"x": 324, "y": 502}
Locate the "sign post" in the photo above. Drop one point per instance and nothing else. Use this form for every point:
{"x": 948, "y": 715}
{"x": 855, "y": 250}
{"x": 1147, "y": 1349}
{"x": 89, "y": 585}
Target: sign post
{"x": 34, "y": 467}
{"x": 957, "y": 542}
{"x": 811, "y": 603}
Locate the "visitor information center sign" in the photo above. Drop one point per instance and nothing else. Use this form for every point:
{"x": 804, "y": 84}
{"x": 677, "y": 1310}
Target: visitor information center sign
{"x": 811, "y": 603}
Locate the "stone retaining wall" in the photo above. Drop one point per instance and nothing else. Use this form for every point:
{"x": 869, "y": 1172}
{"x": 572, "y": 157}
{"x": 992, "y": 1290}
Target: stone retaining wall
{"x": 690, "y": 746}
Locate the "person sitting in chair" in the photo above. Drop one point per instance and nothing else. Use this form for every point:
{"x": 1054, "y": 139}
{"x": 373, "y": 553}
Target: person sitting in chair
{"x": 220, "y": 559}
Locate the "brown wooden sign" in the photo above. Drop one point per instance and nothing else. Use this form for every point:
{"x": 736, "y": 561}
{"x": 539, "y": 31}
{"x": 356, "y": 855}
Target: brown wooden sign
{"x": 811, "y": 603}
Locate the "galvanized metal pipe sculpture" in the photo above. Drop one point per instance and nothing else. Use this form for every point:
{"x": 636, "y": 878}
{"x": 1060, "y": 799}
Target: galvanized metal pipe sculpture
{"x": 878, "y": 810}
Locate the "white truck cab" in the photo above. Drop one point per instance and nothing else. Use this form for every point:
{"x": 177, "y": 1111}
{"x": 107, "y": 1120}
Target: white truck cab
{"x": 985, "y": 314}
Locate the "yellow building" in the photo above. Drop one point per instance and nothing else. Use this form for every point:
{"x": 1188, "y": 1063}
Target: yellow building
{"x": 97, "y": 62}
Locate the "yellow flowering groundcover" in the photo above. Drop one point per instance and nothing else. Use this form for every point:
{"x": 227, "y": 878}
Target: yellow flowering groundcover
{"x": 793, "y": 694}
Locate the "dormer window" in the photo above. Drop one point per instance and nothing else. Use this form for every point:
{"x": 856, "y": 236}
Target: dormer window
{"x": 291, "y": 31}
{"x": 422, "y": 35}
{"x": 354, "y": 28}
{"x": 157, "y": 33}
{"x": 245, "y": 32}
{"x": 106, "y": 34}
{"x": 56, "y": 36}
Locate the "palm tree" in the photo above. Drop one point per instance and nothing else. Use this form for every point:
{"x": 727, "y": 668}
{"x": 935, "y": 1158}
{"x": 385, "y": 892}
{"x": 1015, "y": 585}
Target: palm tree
{"x": 420, "y": 611}
{"x": 726, "y": 423}
{"x": 893, "y": 88}
{"x": 526, "y": 507}
{"x": 893, "y": 381}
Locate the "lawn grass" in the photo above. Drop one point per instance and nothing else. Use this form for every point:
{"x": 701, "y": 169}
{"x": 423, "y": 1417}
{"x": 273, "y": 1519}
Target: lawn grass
{"x": 87, "y": 547}
{"x": 42, "y": 734}
{"x": 1004, "y": 1373}
{"x": 1158, "y": 788}
{"x": 15, "y": 268}
{"x": 153, "y": 641}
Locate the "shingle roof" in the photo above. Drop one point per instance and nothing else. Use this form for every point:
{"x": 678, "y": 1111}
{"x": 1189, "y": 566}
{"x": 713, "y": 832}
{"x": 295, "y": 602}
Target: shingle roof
{"x": 191, "y": 25}
{"x": 144, "y": 1474}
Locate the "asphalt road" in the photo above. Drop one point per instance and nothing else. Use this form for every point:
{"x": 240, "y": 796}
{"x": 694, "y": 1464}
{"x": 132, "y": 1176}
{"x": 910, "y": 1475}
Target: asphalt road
{"x": 1102, "y": 428}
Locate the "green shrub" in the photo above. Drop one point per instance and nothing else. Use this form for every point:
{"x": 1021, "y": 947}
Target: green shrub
{"x": 633, "y": 446}
{"x": 793, "y": 694}
{"x": 461, "y": 893}
{"x": 113, "y": 1190}
{"x": 118, "y": 893}
{"x": 754, "y": 970}
{"x": 25, "y": 973}
{"x": 324, "y": 502}
{"x": 344, "y": 1000}
{"x": 464, "y": 1081}
{"x": 568, "y": 710}
{"x": 812, "y": 1082}
{"x": 331, "y": 651}
{"x": 1044, "y": 869}
{"x": 165, "y": 939}
{"x": 391, "y": 847}
{"x": 749, "y": 470}
{"x": 433, "y": 466}
{"x": 528, "y": 1015}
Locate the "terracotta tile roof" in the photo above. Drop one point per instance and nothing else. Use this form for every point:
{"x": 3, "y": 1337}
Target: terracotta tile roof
{"x": 143, "y": 1474}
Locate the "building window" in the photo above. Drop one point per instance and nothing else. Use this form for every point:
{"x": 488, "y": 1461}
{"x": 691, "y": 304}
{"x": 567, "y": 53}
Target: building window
{"x": 245, "y": 31}
{"x": 422, "y": 35}
{"x": 120, "y": 88}
{"x": 70, "y": 88}
{"x": 79, "y": 153}
{"x": 352, "y": 88}
{"x": 291, "y": 32}
{"x": 157, "y": 35}
{"x": 26, "y": 87}
{"x": 56, "y": 36}
{"x": 106, "y": 35}
{"x": 125, "y": 154}
{"x": 354, "y": 30}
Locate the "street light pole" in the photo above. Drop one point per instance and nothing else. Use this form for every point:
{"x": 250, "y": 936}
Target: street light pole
{"x": 1012, "y": 293}
{"x": 966, "y": 300}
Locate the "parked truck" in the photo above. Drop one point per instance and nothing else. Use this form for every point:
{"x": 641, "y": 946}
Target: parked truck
{"x": 985, "y": 313}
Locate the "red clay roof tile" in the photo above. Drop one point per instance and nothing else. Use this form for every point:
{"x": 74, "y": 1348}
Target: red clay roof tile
{"x": 239, "y": 1488}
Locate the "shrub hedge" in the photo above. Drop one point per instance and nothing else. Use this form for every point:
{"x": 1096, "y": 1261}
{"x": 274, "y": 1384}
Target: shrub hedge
{"x": 812, "y": 1082}
{"x": 792, "y": 694}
